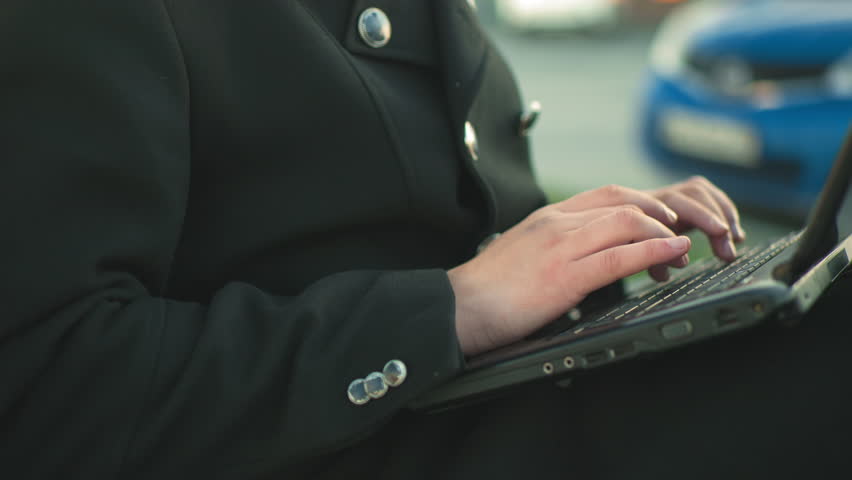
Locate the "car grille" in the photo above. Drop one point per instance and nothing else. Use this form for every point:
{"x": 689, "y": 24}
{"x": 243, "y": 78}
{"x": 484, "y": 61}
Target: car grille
{"x": 708, "y": 66}
{"x": 781, "y": 171}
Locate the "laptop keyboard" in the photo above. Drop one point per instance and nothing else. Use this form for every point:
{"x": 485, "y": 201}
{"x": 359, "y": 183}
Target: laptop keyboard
{"x": 699, "y": 279}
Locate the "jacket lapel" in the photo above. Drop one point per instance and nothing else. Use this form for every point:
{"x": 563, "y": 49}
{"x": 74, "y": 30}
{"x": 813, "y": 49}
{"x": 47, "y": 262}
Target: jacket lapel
{"x": 462, "y": 47}
{"x": 463, "y": 52}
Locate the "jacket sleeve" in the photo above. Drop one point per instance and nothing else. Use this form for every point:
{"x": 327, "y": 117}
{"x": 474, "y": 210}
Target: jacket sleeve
{"x": 100, "y": 372}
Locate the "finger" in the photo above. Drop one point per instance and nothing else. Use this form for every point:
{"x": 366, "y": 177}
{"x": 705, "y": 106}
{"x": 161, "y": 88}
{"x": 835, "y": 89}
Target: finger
{"x": 723, "y": 247}
{"x": 557, "y": 222}
{"x": 660, "y": 273}
{"x": 623, "y": 225}
{"x": 699, "y": 193}
{"x": 607, "y": 266}
{"x": 680, "y": 262}
{"x": 728, "y": 207}
{"x": 700, "y": 215}
{"x": 694, "y": 213}
{"x": 614, "y": 195}
{"x": 588, "y": 216}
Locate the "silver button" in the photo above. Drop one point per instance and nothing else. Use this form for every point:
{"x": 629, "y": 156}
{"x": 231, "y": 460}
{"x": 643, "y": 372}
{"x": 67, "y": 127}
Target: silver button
{"x": 575, "y": 314}
{"x": 395, "y": 372}
{"x": 375, "y": 385}
{"x": 374, "y": 27}
{"x": 528, "y": 118}
{"x": 471, "y": 141}
{"x": 357, "y": 392}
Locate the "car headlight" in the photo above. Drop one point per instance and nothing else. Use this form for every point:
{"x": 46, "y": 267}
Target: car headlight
{"x": 668, "y": 49}
{"x": 839, "y": 77}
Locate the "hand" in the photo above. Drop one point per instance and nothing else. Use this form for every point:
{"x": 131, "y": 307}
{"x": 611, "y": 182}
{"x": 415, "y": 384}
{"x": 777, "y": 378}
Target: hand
{"x": 695, "y": 203}
{"x": 553, "y": 259}
{"x": 700, "y": 204}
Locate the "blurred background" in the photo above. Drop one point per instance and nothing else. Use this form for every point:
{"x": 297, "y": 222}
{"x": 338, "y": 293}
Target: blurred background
{"x": 754, "y": 94}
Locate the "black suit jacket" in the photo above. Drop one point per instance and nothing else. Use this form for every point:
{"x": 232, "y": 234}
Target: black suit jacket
{"x": 218, "y": 213}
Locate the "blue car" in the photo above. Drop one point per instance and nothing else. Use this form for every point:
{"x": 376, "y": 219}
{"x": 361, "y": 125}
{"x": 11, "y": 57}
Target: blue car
{"x": 754, "y": 94}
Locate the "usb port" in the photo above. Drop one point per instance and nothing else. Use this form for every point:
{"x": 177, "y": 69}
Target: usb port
{"x": 623, "y": 349}
{"x": 597, "y": 357}
{"x": 726, "y": 317}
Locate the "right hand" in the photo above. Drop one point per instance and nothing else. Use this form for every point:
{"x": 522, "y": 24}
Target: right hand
{"x": 550, "y": 261}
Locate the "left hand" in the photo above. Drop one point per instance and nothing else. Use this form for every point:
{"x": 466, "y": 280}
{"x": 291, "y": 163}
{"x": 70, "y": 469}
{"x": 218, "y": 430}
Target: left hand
{"x": 701, "y": 204}
{"x": 696, "y": 204}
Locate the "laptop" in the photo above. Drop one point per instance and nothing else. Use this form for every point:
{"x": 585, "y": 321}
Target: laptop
{"x": 774, "y": 281}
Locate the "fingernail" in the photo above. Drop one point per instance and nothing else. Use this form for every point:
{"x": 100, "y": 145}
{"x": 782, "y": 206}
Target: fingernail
{"x": 739, "y": 233}
{"x": 684, "y": 260}
{"x": 730, "y": 250}
{"x": 721, "y": 225}
{"x": 671, "y": 215}
{"x": 678, "y": 243}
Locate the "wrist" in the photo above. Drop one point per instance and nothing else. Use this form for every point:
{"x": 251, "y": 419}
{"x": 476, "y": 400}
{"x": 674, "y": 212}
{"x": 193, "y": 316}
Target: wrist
{"x": 472, "y": 327}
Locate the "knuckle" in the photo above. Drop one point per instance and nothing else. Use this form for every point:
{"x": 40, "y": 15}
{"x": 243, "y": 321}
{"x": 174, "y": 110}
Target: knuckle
{"x": 665, "y": 196}
{"x": 613, "y": 191}
{"x": 692, "y": 189}
{"x": 542, "y": 221}
{"x": 628, "y": 215}
{"x": 544, "y": 228}
{"x": 654, "y": 249}
{"x": 540, "y": 212}
{"x": 611, "y": 261}
{"x": 636, "y": 209}
{"x": 700, "y": 181}
{"x": 533, "y": 218}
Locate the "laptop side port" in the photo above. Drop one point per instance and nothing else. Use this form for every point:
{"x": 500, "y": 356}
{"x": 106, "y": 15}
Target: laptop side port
{"x": 623, "y": 349}
{"x": 677, "y": 330}
{"x": 726, "y": 317}
{"x": 600, "y": 356}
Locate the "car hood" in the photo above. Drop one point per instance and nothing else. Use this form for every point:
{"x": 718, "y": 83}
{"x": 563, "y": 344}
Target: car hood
{"x": 788, "y": 31}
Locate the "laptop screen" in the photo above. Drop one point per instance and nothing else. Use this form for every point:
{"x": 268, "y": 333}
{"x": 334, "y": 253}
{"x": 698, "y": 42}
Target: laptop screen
{"x": 844, "y": 216}
{"x": 831, "y": 218}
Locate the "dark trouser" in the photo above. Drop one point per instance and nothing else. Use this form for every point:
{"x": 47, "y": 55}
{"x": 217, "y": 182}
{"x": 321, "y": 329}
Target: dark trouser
{"x": 767, "y": 403}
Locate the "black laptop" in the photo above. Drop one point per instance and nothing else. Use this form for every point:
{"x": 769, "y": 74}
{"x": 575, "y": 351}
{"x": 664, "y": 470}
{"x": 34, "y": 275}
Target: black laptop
{"x": 777, "y": 280}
